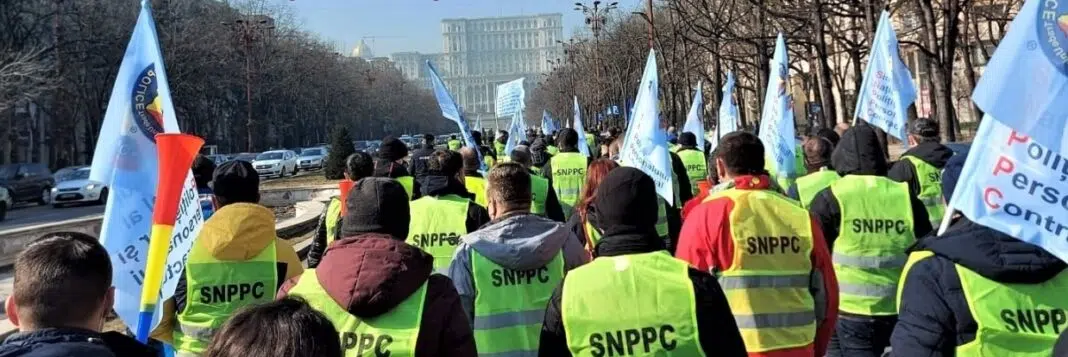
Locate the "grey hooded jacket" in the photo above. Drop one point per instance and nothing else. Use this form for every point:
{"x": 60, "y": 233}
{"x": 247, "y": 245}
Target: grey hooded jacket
{"x": 517, "y": 241}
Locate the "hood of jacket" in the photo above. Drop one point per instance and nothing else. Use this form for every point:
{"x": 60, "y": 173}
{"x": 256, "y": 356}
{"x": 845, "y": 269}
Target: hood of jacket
{"x": 390, "y": 169}
{"x": 438, "y": 185}
{"x": 238, "y": 231}
{"x": 71, "y": 342}
{"x": 993, "y": 254}
{"x": 372, "y": 273}
{"x": 932, "y": 153}
{"x": 859, "y": 153}
{"x": 519, "y": 241}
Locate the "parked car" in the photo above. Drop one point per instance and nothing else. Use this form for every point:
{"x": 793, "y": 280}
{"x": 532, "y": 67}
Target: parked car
{"x": 27, "y": 182}
{"x": 77, "y": 188}
{"x": 312, "y": 158}
{"x": 64, "y": 173}
{"x": 250, "y": 157}
{"x": 5, "y": 203}
{"x": 276, "y": 163}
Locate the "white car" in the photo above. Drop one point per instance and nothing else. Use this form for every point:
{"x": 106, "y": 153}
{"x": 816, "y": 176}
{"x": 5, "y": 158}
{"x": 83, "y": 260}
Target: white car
{"x": 75, "y": 187}
{"x": 312, "y": 158}
{"x": 5, "y": 203}
{"x": 276, "y": 163}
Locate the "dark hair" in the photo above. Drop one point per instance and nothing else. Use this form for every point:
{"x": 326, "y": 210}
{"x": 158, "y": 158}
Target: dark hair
{"x": 285, "y": 328}
{"x": 470, "y": 158}
{"x": 742, "y": 153}
{"x": 509, "y": 184}
{"x": 453, "y": 137}
{"x": 567, "y": 138}
{"x": 359, "y": 165}
{"x": 522, "y": 155}
{"x": 61, "y": 279}
{"x": 477, "y": 136}
{"x": 236, "y": 181}
{"x": 429, "y": 139}
{"x": 594, "y": 175}
{"x": 817, "y": 152}
{"x": 713, "y": 172}
{"x": 445, "y": 162}
{"x": 203, "y": 168}
{"x": 688, "y": 139}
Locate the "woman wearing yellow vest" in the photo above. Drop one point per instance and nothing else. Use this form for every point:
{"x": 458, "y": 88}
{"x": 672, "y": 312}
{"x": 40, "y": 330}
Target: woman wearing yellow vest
{"x": 380, "y": 293}
{"x": 357, "y": 166}
{"x": 635, "y": 299}
{"x": 236, "y": 261}
{"x": 579, "y": 225}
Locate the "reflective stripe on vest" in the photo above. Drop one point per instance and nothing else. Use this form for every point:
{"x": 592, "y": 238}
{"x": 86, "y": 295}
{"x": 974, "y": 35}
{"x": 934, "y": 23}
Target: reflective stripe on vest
{"x": 436, "y": 226}
{"x": 217, "y": 288}
{"x": 408, "y": 183}
{"x": 333, "y": 215}
{"x": 767, "y": 284}
{"x": 696, "y": 167}
{"x": 539, "y": 188}
{"x": 510, "y": 305}
{"x": 1018, "y": 320}
{"x": 455, "y": 145}
{"x": 477, "y": 186}
{"x": 650, "y": 313}
{"x": 569, "y": 175}
{"x": 810, "y": 185}
{"x": 869, "y": 254}
{"x": 930, "y": 179}
{"x": 391, "y": 334}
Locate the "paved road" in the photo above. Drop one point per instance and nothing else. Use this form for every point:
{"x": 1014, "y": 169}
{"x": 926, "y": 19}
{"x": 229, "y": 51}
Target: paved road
{"x": 25, "y": 215}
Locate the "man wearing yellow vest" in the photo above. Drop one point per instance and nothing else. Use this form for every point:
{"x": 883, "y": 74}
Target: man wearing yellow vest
{"x": 869, "y": 222}
{"x": 694, "y": 160}
{"x": 544, "y": 202}
{"x": 390, "y": 163}
{"x": 358, "y": 166}
{"x": 454, "y": 144}
{"x": 921, "y": 167}
{"x": 769, "y": 254}
{"x": 817, "y": 152}
{"x": 380, "y": 293}
{"x": 634, "y": 298}
{"x": 473, "y": 180}
{"x": 500, "y": 143}
{"x": 506, "y": 271}
{"x": 446, "y": 211}
{"x": 566, "y": 171}
{"x": 236, "y": 261}
{"x": 489, "y": 157}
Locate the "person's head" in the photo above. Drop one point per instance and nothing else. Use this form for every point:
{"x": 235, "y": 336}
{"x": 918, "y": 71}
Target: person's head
{"x": 236, "y": 182}
{"x": 713, "y": 173}
{"x": 359, "y": 165}
{"x": 567, "y": 140}
{"x": 428, "y": 140}
{"x": 595, "y": 173}
{"x": 688, "y": 140}
{"x": 203, "y": 168}
{"x": 502, "y": 136}
{"x": 923, "y": 131}
{"x": 470, "y": 159}
{"x": 446, "y": 163}
{"x": 830, "y": 135}
{"x": 521, "y": 155}
{"x": 376, "y": 205}
{"x": 539, "y": 153}
{"x": 817, "y": 153}
{"x": 288, "y": 327}
{"x": 61, "y": 280}
{"x": 841, "y": 128}
{"x": 477, "y": 137}
{"x": 614, "y": 148}
{"x": 452, "y": 137}
{"x": 626, "y": 204}
{"x": 508, "y": 189}
{"x": 859, "y": 153}
{"x": 392, "y": 150}
{"x": 738, "y": 154}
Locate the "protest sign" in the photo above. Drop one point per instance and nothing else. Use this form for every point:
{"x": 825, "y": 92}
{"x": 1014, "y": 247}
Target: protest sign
{"x": 510, "y": 97}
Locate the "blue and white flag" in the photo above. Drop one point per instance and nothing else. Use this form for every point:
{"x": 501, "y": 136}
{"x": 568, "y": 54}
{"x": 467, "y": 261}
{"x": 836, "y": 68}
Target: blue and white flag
{"x": 125, "y": 158}
{"x": 583, "y": 146}
{"x": 695, "y": 122}
{"x": 510, "y": 98}
{"x": 516, "y": 133}
{"x": 1025, "y": 84}
{"x": 478, "y": 122}
{"x": 548, "y": 126}
{"x": 728, "y": 111}
{"x": 887, "y": 90}
{"x": 451, "y": 111}
{"x": 645, "y": 145}
{"x": 1015, "y": 185}
{"x": 776, "y": 127}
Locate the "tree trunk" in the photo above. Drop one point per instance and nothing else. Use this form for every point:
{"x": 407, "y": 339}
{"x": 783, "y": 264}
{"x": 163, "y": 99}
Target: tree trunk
{"x": 823, "y": 73}
{"x": 969, "y": 67}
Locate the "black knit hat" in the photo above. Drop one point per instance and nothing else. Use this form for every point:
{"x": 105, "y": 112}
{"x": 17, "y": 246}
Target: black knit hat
{"x": 626, "y": 203}
{"x": 688, "y": 139}
{"x": 376, "y": 205}
{"x": 236, "y": 181}
{"x": 923, "y": 127}
{"x": 392, "y": 149}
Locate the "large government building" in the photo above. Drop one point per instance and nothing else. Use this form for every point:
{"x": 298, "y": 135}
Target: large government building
{"x": 480, "y": 54}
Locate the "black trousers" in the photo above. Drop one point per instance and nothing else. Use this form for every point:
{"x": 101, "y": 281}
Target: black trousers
{"x": 861, "y": 336}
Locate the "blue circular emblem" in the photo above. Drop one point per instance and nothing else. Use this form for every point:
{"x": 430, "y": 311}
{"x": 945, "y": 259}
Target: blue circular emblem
{"x": 1053, "y": 32}
{"x": 147, "y": 105}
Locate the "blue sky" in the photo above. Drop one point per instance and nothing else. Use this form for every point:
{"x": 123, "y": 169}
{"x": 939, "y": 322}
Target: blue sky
{"x": 414, "y": 25}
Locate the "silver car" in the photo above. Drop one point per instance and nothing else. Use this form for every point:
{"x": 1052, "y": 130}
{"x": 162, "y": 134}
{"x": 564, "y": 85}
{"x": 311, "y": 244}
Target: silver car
{"x": 75, "y": 187}
{"x": 312, "y": 158}
{"x": 278, "y": 163}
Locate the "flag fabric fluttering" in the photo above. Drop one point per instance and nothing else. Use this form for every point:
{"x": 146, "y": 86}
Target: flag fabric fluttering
{"x": 1025, "y": 83}
{"x": 776, "y": 127}
{"x": 478, "y": 122}
{"x": 583, "y": 146}
{"x": 695, "y": 122}
{"x": 516, "y": 133}
{"x": 126, "y": 160}
{"x": 645, "y": 144}
{"x": 450, "y": 110}
{"x": 887, "y": 90}
{"x": 548, "y": 126}
{"x": 728, "y": 111}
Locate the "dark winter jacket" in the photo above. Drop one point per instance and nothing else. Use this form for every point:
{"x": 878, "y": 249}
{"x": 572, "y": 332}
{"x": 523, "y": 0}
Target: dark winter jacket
{"x": 934, "y": 316}
{"x": 319, "y": 241}
{"x": 674, "y": 211}
{"x": 932, "y": 153}
{"x": 371, "y": 274}
{"x": 391, "y": 169}
{"x": 434, "y": 185}
{"x": 418, "y": 160}
{"x": 70, "y": 342}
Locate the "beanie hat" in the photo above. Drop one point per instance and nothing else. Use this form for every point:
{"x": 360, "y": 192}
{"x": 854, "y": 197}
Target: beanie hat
{"x": 538, "y": 153}
{"x": 688, "y": 139}
{"x": 625, "y": 202}
{"x": 376, "y": 205}
{"x": 951, "y": 173}
{"x": 392, "y": 149}
{"x": 237, "y": 181}
{"x": 925, "y": 128}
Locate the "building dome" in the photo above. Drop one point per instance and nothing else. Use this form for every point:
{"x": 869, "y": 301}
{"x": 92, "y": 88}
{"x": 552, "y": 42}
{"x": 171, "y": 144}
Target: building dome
{"x": 362, "y": 50}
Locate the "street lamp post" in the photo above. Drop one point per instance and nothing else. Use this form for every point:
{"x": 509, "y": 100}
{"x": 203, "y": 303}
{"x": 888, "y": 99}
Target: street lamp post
{"x": 248, "y": 31}
{"x": 596, "y": 18}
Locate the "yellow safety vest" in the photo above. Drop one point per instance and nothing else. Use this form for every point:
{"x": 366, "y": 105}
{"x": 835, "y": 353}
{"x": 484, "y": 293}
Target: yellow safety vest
{"x": 767, "y": 283}
{"x": 510, "y": 304}
{"x": 539, "y": 188}
{"x": 552, "y": 150}
{"x": 333, "y": 215}
{"x": 436, "y": 226}
{"x": 499, "y": 149}
{"x": 455, "y": 145}
{"x": 569, "y": 176}
{"x": 215, "y": 289}
{"x": 810, "y": 185}
{"x": 477, "y": 186}
{"x": 1018, "y": 320}
{"x": 408, "y": 183}
{"x": 394, "y": 333}
{"x": 930, "y": 179}
{"x": 696, "y": 167}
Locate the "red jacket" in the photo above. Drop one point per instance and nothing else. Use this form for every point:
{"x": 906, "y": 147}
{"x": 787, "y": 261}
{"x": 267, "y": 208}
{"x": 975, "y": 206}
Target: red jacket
{"x": 706, "y": 243}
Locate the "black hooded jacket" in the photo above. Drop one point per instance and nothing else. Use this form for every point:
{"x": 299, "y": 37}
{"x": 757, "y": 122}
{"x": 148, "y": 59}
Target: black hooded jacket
{"x": 858, "y": 153}
{"x": 437, "y": 185}
{"x": 934, "y": 316}
{"x": 418, "y": 158}
{"x": 627, "y": 217}
{"x": 903, "y": 170}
